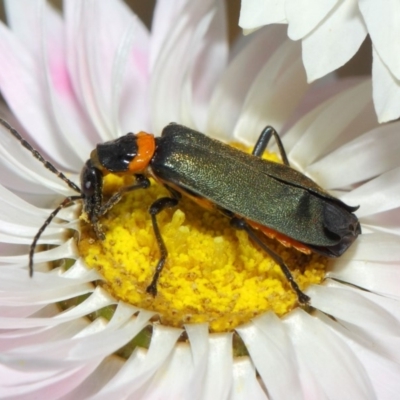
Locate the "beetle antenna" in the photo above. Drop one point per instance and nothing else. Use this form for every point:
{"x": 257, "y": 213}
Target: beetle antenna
{"x": 39, "y": 157}
{"x": 66, "y": 202}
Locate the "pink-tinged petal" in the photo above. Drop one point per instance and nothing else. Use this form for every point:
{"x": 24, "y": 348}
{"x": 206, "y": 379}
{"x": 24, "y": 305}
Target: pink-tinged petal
{"x": 54, "y": 387}
{"x": 272, "y": 96}
{"x": 386, "y": 90}
{"x": 256, "y": 13}
{"x": 19, "y": 311}
{"x": 29, "y": 21}
{"x": 26, "y": 337}
{"x": 22, "y": 83}
{"x": 378, "y": 195}
{"x": 142, "y": 365}
{"x": 72, "y": 352}
{"x": 231, "y": 90}
{"x": 369, "y": 155}
{"x": 382, "y": 372}
{"x": 271, "y": 350}
{"x": 98, "y": 379}
{"x": 383, "y": 23}
{"x": 334, "y": 41}
{"x": 327, "y": 359}
{"x": 304, "y": 15}
{"x": 245, "y": 383}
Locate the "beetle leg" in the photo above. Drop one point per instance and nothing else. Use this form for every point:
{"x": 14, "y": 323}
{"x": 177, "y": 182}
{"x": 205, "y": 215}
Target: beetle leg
{"x": 238, "y": 223}
{"x": 141, "y": 183}
{"x": 158, "y": 206}
{"x": 263, "y": 141}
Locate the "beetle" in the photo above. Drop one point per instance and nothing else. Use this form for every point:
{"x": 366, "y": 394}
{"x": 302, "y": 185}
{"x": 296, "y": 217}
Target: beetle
{"x": 255, "y": 194}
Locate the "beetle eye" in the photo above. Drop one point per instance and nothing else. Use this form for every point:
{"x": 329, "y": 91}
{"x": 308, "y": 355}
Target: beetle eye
{"x": 91, "y": 179}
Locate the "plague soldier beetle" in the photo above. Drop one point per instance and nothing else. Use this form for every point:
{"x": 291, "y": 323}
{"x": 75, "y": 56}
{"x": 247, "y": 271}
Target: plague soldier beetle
{"x": 255, "y": 194}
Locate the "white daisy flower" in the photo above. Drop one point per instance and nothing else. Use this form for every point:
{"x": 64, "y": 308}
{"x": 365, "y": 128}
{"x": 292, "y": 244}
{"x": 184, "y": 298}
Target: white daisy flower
{"x": 331, "y": 33}
{"x": 96, "y": 73}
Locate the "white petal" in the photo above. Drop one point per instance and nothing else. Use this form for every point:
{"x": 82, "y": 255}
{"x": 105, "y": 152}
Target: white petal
{"x": 318, "y": 349}
{"x": 312, "y": 137}
{"x": 382, "y": 372}
{"x": 66, "y": 250}
{"x": 304, "y": 15}
{"x": 388, "y": 221}
{"x": 166, "y": 12}
{"x": 273, "y": 356}
{"x": 208, "y": 63}
{"x": 383, "y": 23}
{"x": 97, "y": 300}
{"x": 369, "y": 155}
{"x": 22, "y": 18}
{"x": 386, "y": 90}
{"x": 379, "y": 194}
{"x": 95, "y": 33}
{"x": 334, "y": 299}
{"x": 98, "y": 379}
{"x": 28, "y": 171}
{"x": 168, "y": 80}
{"x": 198, "y": 338}
{"x": 130, "y": 70}
{"x": 35, "y": 292}
{"x": 218, "y": 379}
{"x": 245, "y": 383}
{"x": 142, "y": 364}
{"x": 379, "y": 277}
{"x": 256, "y": 13}
{"x": 231, "y": 91}
{"x": 374, "y": 247}
{"x": 271, "y": 98}
{"x": 334, "y": 41}
{"x": 178, "y": 369}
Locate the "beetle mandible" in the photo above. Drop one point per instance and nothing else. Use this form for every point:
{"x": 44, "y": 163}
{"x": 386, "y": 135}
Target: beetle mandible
{"x": 255, "y": 194}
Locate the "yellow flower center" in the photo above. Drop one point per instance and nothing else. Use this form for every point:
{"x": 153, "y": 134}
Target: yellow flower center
{"x": 213, "y": 272}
